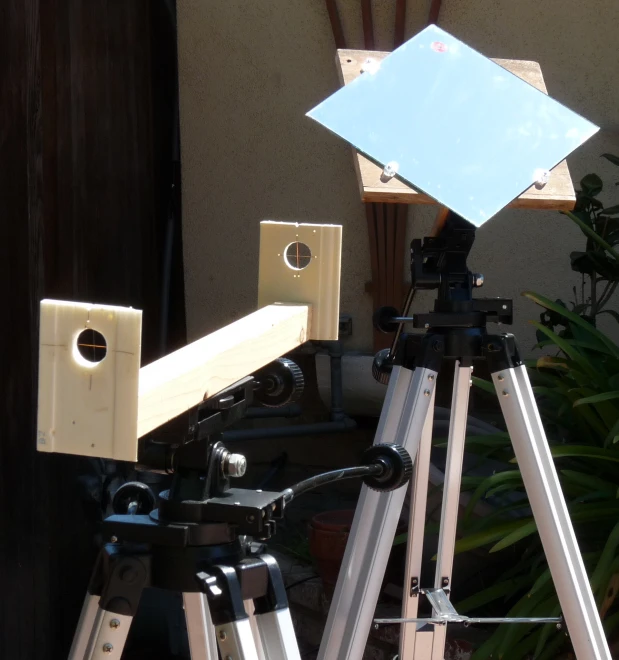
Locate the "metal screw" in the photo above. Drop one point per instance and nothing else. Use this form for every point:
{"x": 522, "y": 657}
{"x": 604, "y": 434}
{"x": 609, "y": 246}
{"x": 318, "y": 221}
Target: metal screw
{"x": 559, "y": 626}
{"x": 114, "y": 623}
{"x": 426, "y": 326}
{"x": 114, "y": 539}
{"x": 250, "y": 519}
{"x": 222, "y": 635}
{"x": 430, "y": 377}
{"x": 501, "y": 377}
{"x": 504, "y": 306}
{"x": 505, "y": 393}
{"x": 391, "y": 168}
{"x": 426, "y": 392}
{"x": 107, "y": 648}
{"x": 478, "y": 280}
{"x": 235, "y": 465}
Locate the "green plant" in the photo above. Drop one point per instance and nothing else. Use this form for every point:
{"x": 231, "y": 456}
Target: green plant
{"x": 577, "y": 389}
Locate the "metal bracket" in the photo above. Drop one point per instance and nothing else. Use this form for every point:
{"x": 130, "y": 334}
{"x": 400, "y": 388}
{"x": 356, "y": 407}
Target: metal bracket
{"x": 446, "y": 613}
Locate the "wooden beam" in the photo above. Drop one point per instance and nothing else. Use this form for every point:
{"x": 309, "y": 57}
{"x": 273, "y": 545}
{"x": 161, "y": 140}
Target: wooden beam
{"x": 181, "y": 380}
{"x": 557, "y": 194}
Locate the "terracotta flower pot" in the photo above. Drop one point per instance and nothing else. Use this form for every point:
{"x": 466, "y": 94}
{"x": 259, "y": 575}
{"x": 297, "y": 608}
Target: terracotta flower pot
{"x": 328, "y": 534}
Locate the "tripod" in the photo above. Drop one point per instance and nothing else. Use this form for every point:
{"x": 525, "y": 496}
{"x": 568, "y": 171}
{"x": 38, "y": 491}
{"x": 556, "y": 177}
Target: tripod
{"x": 200, "y": 542}
{"x": 455, "y": 331}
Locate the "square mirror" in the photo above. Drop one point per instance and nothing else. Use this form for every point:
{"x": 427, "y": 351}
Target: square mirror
{"x": 454, "y": 124}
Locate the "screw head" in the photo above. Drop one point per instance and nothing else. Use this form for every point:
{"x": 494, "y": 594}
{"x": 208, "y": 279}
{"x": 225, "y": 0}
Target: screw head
{"x": 114, "y": 539}
{"x": 426, "y": 326}
{"x": 107, "y": 648}
{"x": 504, "y": 306}
{"x": 391, "y": 168}
{"x": 505, "y": 393}
{"x": 250, "y": 519}
{"x": 478, "y": 280}
{"x": 114, "y": 623}
{"x": 501, "y": 377}
{"x": 430, "y": 377}
{"x": 222, "y": 635}
{"x": 236, "y": 465}
{"x": 426, "y": 393}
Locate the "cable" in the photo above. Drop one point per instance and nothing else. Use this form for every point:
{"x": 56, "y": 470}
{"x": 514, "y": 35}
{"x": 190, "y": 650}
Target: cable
{"x": 331, "y": 477}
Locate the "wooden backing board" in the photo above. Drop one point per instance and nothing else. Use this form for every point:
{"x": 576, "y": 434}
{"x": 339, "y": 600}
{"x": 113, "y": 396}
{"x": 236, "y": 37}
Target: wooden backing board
{"x": 557, "y": 194}
{"x": 181, "y": 380}
{"x": 86, "y": 407}
{"x": 316, "y": 283}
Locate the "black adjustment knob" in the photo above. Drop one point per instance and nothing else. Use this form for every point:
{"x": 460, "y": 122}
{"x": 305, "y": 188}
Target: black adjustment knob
{"x": 382, "y": 366}
{"x": 279, "y": 383}
{"x": 133, "y": 497}
{"x": 396, "y": 463}
{"x": 382, "y": 319}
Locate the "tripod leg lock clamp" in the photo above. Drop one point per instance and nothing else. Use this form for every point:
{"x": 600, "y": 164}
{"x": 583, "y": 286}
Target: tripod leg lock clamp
{"x": 397, "y": 466}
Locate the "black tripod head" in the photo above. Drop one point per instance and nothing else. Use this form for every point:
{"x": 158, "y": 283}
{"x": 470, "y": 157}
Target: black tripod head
{"x": 440, "y": 263}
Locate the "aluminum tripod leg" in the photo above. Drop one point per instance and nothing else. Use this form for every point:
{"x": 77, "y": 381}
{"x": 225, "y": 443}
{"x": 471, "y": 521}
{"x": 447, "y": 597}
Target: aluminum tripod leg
{"x": 367, "y": 551}
{"x": 451, "y": 493}
{"x": 409, "y": 643}
{"x": 550, "y": 512}
{"x": 200, "y": 631}
{"x": 100, "y": 635}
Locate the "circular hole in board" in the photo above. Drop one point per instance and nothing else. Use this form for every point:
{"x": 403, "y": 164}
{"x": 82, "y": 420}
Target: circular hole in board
{"x": 91, "y": 345}
{"x": 298, "y": 255}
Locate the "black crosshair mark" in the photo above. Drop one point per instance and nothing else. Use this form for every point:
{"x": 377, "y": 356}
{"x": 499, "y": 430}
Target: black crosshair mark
{"x": 92, "y": 345}
{"x": 298, "y": 255}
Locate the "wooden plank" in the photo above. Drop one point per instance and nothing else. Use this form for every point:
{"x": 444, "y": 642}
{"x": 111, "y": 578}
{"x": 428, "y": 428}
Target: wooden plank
{"x": 181, "y": 380}
{"x": 400, "y": 20}
{"x": 400, "y": 250}
{"x": 336, "y": 24}
{"x": 368, "y": 29}
{"x": 557, "y": 194}
{"x": 382, "y": 253}
{"x": 317, "y": 280}
{"x": 390, "y": 251}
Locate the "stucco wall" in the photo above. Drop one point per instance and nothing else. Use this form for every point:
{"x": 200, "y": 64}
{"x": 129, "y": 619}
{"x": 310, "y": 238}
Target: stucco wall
{"x": 250, "y": 70}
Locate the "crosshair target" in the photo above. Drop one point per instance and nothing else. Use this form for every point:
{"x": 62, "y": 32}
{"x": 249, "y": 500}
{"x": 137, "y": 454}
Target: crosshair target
{"x": 298, "y": 255}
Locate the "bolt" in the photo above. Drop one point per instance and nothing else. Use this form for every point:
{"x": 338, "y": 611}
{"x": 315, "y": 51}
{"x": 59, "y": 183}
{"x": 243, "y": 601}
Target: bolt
{"x": 107, "y": 648}
{"x": 426, "y": 393}
{"x": 430, "y": 377}
{"x": 250, "y": 519}
{"x": 478, "y": 280}
{"x": 114, "y": 623}
{"x": 114, "y": 539}
{"x": 235, "y": 465}
{"x": 222, "y": 635}
{"x": 504, "y": 306}
{"x": 501, "y": 377}
{"x": 505, "y": 393}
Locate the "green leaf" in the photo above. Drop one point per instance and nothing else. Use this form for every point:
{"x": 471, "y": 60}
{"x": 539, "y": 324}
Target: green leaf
{"x": 591, "y": 185}
{"x": 592, "y": 234}
{"x": 491, "y": 482}
{"x": 597, "y": 398}
{"x": 490, "y": 594}
{"x": 613, "y": 435}
{"x": 613, "y": 159}
{"x": 522, "y": 532}
{"x": 582, "y": 451}
{"x": 574, "y": 318}
{"x": 570, "y": 351}
{"x": 483, "y": 384}
{"x": 487, "y": 536}
{"x": 606, "y": 559}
